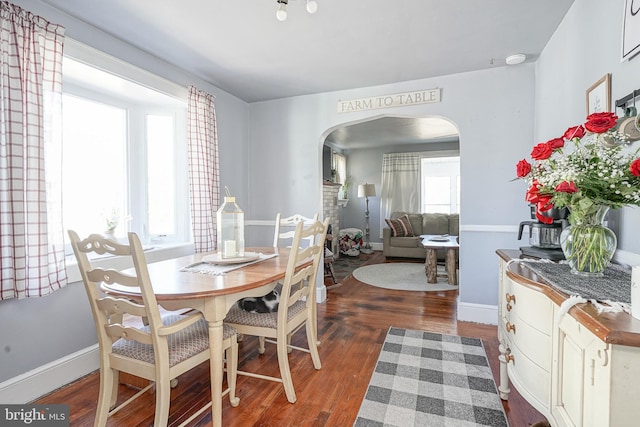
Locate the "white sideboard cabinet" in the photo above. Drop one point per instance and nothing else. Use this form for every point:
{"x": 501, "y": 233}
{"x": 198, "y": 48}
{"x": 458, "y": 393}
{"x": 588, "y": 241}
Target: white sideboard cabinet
{"x": 582, "y": 369}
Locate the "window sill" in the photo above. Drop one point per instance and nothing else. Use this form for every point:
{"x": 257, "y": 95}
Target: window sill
{"x": 155, "y": 253}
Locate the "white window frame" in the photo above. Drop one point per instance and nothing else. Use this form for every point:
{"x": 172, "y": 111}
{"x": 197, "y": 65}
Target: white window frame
{"x": 137, "y": 154}
{"x": 454, "y": 185}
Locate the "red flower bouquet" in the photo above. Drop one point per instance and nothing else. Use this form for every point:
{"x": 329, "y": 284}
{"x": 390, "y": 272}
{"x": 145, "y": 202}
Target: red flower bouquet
{"x": 595, "y": 173}
{"x": 595, "y": 170}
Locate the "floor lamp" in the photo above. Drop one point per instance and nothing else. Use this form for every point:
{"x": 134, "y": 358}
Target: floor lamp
{"x": 366, "y": 191}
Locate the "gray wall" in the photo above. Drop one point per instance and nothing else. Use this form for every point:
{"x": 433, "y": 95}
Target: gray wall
{"x": 493, "y": 111}
{"x": 61, "y": 323}
{"x": 585, "y": 47}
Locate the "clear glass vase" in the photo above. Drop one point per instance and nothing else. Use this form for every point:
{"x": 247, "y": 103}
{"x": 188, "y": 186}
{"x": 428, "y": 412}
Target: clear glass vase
{"x": 589, "y": 245}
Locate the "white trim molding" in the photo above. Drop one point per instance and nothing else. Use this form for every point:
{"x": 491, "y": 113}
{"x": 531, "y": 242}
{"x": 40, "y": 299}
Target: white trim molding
{"x": 46, "y": 378}
{"x": 489, "y": 228}
{"x": 478, "y": 313}
{"x": 261, "y": 222}
{"x": 626, "y": 258}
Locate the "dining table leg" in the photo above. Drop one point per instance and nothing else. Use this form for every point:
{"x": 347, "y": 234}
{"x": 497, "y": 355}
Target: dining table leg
{"x": 216, "y": 366}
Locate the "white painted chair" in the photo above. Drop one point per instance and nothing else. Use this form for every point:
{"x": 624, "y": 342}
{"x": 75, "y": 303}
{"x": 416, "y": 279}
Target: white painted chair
{"x": 285, "y": 228}
{"x": 290, "y": 223}
{"x": 297, "y": 306}
{"x": 161, "y": 351}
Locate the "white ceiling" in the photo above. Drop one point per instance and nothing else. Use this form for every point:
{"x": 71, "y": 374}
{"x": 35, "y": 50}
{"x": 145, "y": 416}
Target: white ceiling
{"x": 240, "y": 46}
{"x": 386, "y": 131}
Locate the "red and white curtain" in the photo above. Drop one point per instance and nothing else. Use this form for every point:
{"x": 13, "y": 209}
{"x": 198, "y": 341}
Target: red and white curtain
{"x": 204, "y": 171}
{"x": 31, "y": 233}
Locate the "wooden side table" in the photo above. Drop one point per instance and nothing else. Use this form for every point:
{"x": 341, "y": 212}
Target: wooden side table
{"x": 450, "y": 244}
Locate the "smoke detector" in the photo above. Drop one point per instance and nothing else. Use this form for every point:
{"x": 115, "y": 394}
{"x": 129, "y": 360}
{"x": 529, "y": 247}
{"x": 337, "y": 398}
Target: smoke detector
{"x": 516, "y": 59}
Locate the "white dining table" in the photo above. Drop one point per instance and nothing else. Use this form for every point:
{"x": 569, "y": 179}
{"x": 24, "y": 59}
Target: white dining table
{"x": 212, "y": 295}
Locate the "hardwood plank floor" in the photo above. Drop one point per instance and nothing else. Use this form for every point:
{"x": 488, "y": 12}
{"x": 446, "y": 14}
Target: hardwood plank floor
{"x": 352, "y": 325}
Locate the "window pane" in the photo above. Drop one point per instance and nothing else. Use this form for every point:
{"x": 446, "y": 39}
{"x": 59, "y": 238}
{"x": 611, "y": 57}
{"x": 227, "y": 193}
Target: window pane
{"x": 160, "y": 174}
{"x": 440, "y": 184}
{"x": 94, "y": 165}
{"x": 437, "y": 192}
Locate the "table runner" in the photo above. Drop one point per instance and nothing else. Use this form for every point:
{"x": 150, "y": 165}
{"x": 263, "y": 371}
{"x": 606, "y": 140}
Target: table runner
{"x": 609, "y": 293}
{"x": 203, "y": 267}
{"x": 614, "y": 285}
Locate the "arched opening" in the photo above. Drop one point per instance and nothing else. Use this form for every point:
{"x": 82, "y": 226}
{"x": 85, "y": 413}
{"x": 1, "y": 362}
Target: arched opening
{"x": 363, "y": 143}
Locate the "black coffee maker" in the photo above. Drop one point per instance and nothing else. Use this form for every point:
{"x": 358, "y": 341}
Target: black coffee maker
{"x": 544, "y": 239}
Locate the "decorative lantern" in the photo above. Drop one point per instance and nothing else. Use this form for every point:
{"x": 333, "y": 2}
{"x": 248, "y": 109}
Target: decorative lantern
{"x": 230, "y": 227}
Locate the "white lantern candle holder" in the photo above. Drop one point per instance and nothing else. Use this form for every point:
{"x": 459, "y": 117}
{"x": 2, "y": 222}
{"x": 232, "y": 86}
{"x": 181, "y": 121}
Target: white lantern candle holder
{"x": 230, "y": 228}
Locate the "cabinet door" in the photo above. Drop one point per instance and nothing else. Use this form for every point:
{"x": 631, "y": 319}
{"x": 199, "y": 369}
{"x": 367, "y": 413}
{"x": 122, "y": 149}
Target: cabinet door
{"x": 580, "y": 376}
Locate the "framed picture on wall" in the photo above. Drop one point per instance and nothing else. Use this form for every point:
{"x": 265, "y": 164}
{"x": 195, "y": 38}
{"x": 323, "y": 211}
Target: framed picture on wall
{"x": 599, "y": 96}
{"x": 631, "y": 29}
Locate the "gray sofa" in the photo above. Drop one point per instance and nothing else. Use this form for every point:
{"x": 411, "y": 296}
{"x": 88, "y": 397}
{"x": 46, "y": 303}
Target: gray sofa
{"x": 427, "y": 223}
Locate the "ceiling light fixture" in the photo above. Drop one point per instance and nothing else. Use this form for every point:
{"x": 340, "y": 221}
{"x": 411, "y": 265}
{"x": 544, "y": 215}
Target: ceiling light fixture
{"x": 281, "y": 13}
{"x": 516, "y": 59}
{"x": 312, "y": 6}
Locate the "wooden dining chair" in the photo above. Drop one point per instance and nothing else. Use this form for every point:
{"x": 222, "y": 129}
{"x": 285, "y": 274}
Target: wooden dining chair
{"x": 161, "y": 351}
{"x": 283, "y": 238}
{"x": 285, "y": 228}
{"x": 297, "y": 306}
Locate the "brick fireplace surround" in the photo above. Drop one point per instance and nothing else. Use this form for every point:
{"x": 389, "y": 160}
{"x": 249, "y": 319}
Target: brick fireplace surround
{"x": 330, "y": 210}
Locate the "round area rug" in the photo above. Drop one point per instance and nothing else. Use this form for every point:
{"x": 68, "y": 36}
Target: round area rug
{"x": 401, "y": 276}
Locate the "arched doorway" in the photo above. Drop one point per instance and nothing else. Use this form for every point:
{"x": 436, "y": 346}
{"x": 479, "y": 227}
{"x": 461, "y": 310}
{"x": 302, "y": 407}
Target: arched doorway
{"x": 364, "y": 142}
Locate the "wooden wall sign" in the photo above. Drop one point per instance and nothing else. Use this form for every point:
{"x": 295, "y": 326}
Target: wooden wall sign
{"x": 386, "y": 101}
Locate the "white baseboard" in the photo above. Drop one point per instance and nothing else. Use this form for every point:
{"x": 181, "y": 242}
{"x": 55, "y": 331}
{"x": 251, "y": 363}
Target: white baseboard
{"x": 478, "y": 313}
{"x": 321, "y": 294}
{"x": 46, "y": 378}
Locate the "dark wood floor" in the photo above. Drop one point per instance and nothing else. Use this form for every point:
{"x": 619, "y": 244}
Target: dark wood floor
{"x": 352, "y": 325}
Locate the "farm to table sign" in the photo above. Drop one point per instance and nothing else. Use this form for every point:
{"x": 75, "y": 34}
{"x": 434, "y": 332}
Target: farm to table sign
{"x": 427, "y": 96}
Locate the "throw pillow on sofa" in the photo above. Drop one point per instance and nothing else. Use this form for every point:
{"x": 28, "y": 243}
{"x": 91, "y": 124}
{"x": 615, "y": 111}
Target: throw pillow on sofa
{"x": 400, "y": 227}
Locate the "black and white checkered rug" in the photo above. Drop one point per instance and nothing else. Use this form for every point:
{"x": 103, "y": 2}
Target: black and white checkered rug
{"x": 429, "y": 379}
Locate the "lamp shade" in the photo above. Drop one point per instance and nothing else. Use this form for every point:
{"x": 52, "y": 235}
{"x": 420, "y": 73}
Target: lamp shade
{"x": 366, "y": 190}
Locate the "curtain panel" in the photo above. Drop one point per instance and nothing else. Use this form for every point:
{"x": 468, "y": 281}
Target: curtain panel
{"x": 339, "y": 164}
{"x": 204, "y": 170}
{"x": 31, "y": 233}
{"x": 400, "y": 185}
